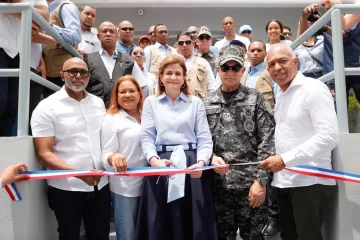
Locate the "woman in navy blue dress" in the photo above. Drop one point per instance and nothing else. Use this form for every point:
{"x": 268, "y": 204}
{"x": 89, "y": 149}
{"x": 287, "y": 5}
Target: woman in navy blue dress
{"x": 169, "y": 119}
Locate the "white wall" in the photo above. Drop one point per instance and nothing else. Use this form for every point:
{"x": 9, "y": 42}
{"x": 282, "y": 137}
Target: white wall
{"x": 178, "y": 19}
{"x": 31, "y": 218}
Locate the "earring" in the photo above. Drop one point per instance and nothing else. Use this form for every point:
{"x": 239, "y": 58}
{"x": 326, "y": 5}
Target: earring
{"x": 161, "y": 83}
{"x": 183, "y": 85}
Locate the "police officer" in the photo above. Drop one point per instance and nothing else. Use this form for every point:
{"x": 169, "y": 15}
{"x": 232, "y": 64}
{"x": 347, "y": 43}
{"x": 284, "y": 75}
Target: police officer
{"x": 242, "y": 128}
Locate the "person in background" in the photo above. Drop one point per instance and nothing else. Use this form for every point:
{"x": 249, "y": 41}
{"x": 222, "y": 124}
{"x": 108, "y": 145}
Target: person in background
{"x": 151, "y": 34}
{"x": 144, "y": 41}
{"x": 204, "y": 41}
{"x": 185, "y": 127}
{"x": 246, "y": 31}
{"x": 10, "y": 26}
{"x": 11, "y": 174}
{"x": 107, "y": 65}
{"x": 229, "y": 26}
{"x": 306, "y": 136}
{"x": 287, "y": 33}
{"x": 125, "y": 42}
{"x": 66, "y": 130}
{"x": 90, "y": 42}
{"x": 200, "y": 78}
{"x": 121, "y": 148}
{"x": 156, "y": 53}
{"x": 242, "y": 129}
{"x": 274, "y": 29}
{"x": 311, "y": 53}
{"x": 350, "y": 20}
{"x": 193, "y": 30}
{"x": 139, "y": 57}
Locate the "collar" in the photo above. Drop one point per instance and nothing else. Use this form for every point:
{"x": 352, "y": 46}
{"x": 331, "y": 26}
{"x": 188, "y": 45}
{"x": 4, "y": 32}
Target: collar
{"x": 125, "y": 46}
{"x": 123, "y": 113}
{"x": 297, "y": 81}
{"x": 258, "y": 67}
{"x": 105, "y": 53}
{"x": 182, "y": 96}
{"x": 217, "y": 96}
{"x": 159, "y": 45}
{"x": 62, "y": 94}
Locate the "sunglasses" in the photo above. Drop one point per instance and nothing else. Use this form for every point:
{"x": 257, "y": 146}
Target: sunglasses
{"x": 150, "y": 33}
{"x": 226, "y": 68}
{"x": 287, "y": 34}
{"x": 125, "y": 29}
{"x": 246, "y": 32}
{"x": 201, "y": 37}
{"x": 73, "y": 72}
{"x": 139, "y": 53}
{"x": 187, "y": 42}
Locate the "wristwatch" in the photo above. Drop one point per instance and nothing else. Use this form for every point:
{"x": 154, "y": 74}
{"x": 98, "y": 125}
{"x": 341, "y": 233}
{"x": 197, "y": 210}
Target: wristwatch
{"x": 262, "y": 181}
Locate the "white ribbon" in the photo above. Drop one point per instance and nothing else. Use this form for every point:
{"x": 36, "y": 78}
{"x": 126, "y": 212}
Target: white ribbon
{"x": 176, "y": 187}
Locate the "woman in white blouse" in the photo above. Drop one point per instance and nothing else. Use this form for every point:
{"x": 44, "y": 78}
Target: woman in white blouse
{"x": 274, "y": 29}
{"x": 121, "y": 148}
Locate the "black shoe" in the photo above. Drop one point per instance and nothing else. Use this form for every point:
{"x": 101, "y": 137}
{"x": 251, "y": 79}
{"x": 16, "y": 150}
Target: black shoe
{"x": 271, "y": 228}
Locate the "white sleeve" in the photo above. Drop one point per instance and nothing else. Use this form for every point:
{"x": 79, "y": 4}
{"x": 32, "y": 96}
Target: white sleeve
{"x": 147, "y": 62}
{"x": 109, "y": 141}
{"x": 138, "y": 75}
{"x": 211, "y": 82}
{"x": 42, "y": 121}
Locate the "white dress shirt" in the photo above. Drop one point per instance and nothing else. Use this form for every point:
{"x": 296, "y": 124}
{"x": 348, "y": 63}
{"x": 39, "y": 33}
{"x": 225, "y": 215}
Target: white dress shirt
{"x": 109, "y": 62}
{"x": 152, "y": 81}
{"x": 76, "y": 127}
{"x": 164, "y": 51}
{"x": 306, "y": 130}
{"x": 224, "y": 42}
{"x": 210, "y": 78}
{"x": 10, "y": 27}
{"x": 120, "y": 133}
{"x": 89, "y": 42}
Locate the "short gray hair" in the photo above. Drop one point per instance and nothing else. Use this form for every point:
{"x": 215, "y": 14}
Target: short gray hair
{"x": 283, "y": 45}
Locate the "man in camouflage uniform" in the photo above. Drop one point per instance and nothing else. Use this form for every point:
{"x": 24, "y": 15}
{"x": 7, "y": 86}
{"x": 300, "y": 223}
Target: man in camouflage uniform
{"x": 204, "y": 41}
{"x": 242, "y": 128}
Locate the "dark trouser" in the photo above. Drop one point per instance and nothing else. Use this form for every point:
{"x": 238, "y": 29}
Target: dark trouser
{"x": 303, "y": 211}
{"x": 313, "y": 75}
{"x": 35, "y": 96}
{"x": 9, "y": 91}
{"x": 234, "y": 212}
{"x": 273, "y": 208}
{"x": 57, "y": 81}
{"x": 70, "y": 207}
{"x": 351, "y": 82}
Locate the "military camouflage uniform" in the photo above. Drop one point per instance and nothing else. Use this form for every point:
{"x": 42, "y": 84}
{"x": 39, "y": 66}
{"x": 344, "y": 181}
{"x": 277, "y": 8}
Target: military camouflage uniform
{"x": 243, "y": 131}
{"x": 210, "y": 57}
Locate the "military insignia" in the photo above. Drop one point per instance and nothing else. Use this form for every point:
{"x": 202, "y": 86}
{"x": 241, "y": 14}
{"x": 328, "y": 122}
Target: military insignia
{"x": 249, "y": 125}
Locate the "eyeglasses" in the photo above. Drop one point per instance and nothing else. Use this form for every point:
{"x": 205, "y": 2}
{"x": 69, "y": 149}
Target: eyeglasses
{"x": 187, "y": 42}
{"x": 287, "y": 34}
{"x": 73, "y": 72}
{"x": 125, "y": 29}
{"x": 202, "y": 37}
{"x": 139, "y": 53}
{"x": 150, "y": 33}
{"x": 226, "y": 68}
{"x": 246, "y": 32}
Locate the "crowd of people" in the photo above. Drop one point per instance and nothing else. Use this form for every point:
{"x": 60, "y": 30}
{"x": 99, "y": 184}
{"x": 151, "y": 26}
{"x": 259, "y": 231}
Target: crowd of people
{"x": 194, "y": 104}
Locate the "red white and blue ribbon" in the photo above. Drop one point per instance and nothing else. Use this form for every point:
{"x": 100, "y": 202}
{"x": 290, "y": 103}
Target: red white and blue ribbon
{"x": 159, "y": 171}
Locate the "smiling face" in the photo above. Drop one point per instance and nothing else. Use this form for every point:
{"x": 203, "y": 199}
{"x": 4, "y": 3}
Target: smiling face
{"x": 274, "y": 31}
{"x": 282, "y": 66}
{"x": 172, "y": 77}
{"x": 128, "y": 96}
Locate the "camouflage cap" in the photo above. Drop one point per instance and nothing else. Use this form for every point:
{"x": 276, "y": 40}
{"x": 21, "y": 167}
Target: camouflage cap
{"x": 231, "y": 52}
{"x": 204, "y": 30}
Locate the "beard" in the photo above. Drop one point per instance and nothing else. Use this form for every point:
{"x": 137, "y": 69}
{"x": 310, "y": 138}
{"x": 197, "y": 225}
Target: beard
{"x": 75, "y": 88}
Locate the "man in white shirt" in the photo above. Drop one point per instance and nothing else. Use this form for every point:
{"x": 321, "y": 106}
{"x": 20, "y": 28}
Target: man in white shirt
{"x": 10, "y": 27}
{"x": 108, "y": 65}
{"x": 89, "y": 42}
{"x": 306, "y": 132}
{"x": 66, "y": 128}
{"x": 229, "y": 26}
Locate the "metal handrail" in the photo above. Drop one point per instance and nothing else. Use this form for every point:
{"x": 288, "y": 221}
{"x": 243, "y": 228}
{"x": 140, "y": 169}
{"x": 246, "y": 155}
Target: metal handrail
{"x": 29, "y": 14}
{"x": 334, "y": 14}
